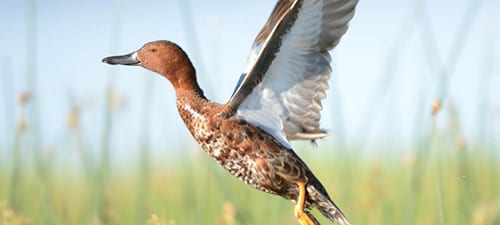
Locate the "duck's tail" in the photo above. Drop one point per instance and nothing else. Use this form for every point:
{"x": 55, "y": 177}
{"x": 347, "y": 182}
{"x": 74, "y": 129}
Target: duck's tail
{"x": 325, "y": 205}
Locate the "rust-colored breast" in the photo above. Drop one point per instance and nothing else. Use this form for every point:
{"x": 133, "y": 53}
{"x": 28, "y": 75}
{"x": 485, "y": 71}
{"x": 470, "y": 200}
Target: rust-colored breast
{"x": 245, "y": 151}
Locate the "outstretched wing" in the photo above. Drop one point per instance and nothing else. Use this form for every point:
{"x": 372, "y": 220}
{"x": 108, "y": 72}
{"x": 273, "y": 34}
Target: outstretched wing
{"x": 287, "y": 72}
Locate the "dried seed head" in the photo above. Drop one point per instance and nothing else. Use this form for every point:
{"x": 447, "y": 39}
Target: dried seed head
{"x": 436, "y": 106}
{"x": 9, "y": 216}
{"x": 117, "y": 101}
{"x": 480, "y": 215}
{"x": 72, "y": 121}
{"x": 22, "y": 125}
{"x": 229, "y": 214}
{"x": 154, "y": 220}
{"x": 24, "y": 98}
{"x": 462, "y": 143}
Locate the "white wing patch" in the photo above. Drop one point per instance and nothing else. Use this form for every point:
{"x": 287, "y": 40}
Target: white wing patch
{"x": 264, "y": 113}
{"x": 287, "y": 102}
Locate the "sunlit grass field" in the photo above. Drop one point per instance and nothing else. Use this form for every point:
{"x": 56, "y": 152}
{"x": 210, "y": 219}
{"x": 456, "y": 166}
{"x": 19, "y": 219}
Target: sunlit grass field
{"x": 445, "y": 181}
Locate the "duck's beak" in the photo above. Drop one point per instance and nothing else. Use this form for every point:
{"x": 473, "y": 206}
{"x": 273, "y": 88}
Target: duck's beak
{"x": 128, "y": 59}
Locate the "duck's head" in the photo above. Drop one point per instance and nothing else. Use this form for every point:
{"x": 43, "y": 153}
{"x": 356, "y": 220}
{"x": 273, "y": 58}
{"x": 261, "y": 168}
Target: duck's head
{"x": 163, "y": 57}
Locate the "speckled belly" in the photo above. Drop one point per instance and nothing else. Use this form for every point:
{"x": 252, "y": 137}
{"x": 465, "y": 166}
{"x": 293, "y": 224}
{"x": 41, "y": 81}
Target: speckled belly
{"x": 247, "y": 152}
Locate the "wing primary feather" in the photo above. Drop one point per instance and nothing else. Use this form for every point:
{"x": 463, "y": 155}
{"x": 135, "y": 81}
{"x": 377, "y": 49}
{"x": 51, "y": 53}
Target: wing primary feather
{"x": 286, "y": 75}
{"x": 268, "y": 51}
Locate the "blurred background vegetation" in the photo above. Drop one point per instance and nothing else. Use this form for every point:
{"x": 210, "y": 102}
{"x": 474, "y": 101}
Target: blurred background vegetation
{"x": 414, "y": 110}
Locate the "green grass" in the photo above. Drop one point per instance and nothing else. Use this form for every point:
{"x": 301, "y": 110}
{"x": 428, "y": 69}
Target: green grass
{"x": 193, "y": 189}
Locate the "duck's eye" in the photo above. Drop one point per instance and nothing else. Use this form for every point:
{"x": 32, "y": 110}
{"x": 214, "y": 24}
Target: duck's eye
{"x": 153, "y": 50}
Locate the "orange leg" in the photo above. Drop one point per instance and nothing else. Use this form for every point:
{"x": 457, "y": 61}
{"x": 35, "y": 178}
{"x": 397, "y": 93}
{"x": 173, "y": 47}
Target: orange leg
{"x": 302, "y": 217}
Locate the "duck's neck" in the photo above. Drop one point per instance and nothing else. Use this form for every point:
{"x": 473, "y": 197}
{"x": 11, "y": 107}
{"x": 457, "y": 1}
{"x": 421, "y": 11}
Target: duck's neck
{"x": 189, "y": 95}
{"x": 189, "y": 90}
{"x": 192, "y": 106}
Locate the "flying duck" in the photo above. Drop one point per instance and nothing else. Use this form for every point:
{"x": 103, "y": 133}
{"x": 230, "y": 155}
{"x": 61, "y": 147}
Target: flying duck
{"x": 276, "y": 100}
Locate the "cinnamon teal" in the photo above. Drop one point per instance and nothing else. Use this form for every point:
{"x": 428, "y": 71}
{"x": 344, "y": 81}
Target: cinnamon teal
{"x": 277, "y": 100}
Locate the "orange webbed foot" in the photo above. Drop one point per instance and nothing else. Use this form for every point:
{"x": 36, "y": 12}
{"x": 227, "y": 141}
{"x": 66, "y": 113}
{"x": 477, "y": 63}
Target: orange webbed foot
{"x": 302, "y": 216}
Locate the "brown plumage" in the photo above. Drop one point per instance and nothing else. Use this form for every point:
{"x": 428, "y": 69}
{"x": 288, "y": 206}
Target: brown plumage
{"x": 251, "y": 153}
{"x": 244, "y": 150}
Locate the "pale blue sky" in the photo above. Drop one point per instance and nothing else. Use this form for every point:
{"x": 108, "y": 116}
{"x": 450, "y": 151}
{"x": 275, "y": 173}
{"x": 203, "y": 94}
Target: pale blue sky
{"x": 73, "y": 36}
